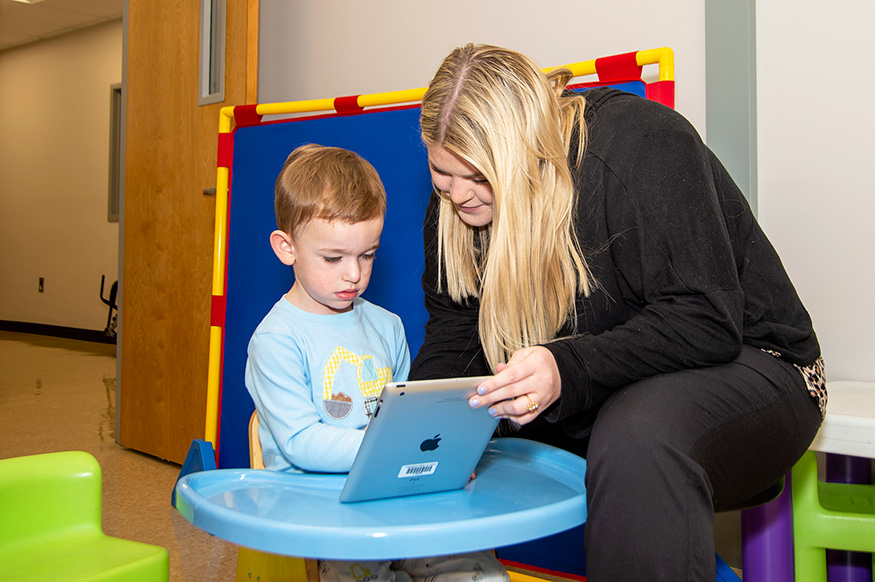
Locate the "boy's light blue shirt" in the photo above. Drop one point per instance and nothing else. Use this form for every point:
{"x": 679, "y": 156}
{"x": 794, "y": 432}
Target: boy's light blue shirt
{"x": 314, "y": 379}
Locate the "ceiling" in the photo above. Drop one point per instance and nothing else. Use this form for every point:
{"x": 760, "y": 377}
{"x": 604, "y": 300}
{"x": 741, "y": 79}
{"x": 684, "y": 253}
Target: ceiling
{"x": 22, "y": 23}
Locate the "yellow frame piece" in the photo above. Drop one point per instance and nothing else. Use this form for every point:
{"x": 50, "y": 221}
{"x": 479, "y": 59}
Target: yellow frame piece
{"x": 664, "y": 57}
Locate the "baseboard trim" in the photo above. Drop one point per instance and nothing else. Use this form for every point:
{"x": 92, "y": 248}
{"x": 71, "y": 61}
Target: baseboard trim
{"x": 88, "y": 335}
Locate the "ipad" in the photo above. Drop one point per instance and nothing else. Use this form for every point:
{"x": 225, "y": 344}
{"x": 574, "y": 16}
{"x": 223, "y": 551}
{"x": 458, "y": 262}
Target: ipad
{"x": 423, "y": 438}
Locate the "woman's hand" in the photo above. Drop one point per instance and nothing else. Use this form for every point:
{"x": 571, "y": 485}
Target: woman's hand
{"x": 521, "y": 389}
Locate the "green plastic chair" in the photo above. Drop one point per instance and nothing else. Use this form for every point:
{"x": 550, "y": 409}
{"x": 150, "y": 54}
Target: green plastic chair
{"x": 838, "y": 516}
{"x": 50, "y": 525}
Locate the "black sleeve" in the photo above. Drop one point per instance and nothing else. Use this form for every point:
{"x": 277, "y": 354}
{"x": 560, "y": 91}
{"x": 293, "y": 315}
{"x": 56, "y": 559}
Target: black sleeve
{"x": 670, "y": 253}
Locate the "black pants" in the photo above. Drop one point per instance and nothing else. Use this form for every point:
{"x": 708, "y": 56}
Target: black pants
{"x": 667, "y": 452}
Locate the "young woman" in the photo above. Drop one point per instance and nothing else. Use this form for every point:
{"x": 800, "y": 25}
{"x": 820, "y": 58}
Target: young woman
{"x": 592, "y": 252}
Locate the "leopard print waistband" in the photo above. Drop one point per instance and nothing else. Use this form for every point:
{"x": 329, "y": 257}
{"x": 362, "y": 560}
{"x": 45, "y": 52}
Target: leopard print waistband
{"x": 815, "y": 380}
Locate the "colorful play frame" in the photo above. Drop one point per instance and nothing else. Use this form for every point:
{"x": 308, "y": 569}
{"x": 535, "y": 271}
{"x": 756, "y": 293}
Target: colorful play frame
{"x": 228, "y": 405}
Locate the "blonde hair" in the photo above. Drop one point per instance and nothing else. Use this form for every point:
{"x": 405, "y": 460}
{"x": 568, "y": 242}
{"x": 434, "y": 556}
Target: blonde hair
{"x": 497, "y": 110}
{"x": 329, "y": 183}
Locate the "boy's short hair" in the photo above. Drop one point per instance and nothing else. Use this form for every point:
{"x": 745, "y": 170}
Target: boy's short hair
{"x": 329, "y": 183}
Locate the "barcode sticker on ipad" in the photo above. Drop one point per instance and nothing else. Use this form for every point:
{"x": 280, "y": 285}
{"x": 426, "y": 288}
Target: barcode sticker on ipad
{"x": 418, "y": 470}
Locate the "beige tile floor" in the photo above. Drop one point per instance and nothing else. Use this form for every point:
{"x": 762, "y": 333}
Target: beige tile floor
{"x": 59, "y": 394}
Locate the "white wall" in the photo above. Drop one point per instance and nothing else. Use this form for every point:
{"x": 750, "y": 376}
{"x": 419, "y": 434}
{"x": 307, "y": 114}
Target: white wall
{"x": 311, "y": 50}
{"x": 816, "y": 143}
{"x": 54, "y": 160}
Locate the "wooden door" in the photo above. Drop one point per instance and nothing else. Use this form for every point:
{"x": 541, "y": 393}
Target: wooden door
{"x": 170, "y": 158}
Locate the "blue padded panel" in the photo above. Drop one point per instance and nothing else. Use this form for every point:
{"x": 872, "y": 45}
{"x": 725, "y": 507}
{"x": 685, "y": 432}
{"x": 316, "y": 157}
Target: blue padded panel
{"x": 561, "y": 553}
{"x": 635, "y": 87}
{"x": 389, "y": 140}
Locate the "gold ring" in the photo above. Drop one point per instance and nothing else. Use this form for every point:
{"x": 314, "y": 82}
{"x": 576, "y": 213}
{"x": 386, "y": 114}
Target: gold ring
{"x": 532, "y": 406}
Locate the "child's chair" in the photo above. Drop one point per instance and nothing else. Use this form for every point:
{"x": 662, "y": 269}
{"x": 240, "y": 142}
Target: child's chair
{"x": 50, "y": 525}
{"x": 262, "y": 566}
{"x": 838, "y": 516}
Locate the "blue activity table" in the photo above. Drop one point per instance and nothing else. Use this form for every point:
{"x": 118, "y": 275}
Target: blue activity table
{"x": 524, "y": 490}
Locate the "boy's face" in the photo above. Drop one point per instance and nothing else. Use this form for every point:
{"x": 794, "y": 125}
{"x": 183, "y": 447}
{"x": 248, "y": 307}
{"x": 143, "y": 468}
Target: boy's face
{"x": 332, "y": 262}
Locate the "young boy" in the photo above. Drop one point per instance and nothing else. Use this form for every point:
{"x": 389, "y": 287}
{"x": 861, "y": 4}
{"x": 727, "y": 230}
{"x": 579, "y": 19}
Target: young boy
{"x": 319, "y": 359}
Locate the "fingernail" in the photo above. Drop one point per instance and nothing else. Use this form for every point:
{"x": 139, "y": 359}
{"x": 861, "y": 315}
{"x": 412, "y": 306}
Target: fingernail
{"x": 474, "y": 402}
{"x": 481, "y": 390}
{"x": 493, "y": 411}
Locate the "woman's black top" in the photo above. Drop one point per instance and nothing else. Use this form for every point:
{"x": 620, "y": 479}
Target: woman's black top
{"x": 684, "y": 273}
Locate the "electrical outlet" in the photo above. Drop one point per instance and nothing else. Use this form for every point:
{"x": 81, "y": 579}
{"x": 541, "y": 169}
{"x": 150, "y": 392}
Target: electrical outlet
{"x": 42, "y": 283}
